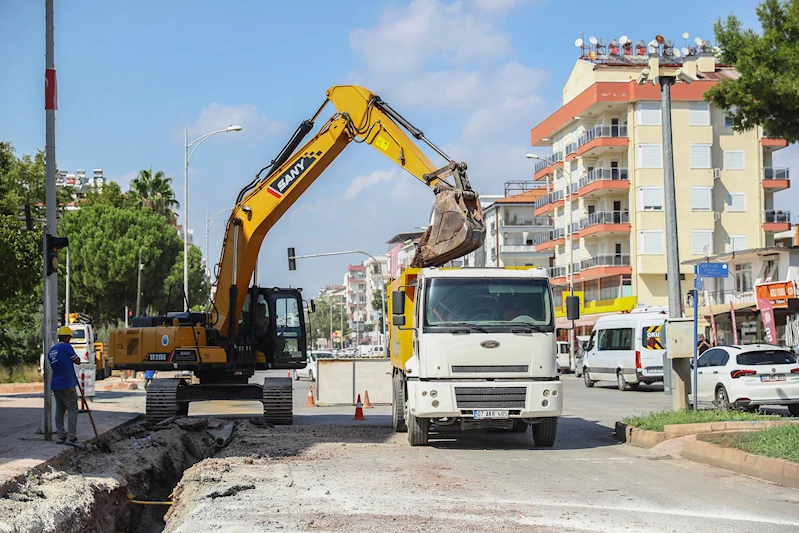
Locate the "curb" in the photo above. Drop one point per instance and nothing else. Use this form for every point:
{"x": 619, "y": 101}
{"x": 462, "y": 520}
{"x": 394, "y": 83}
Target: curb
{"x": 777, "y": 471}
{"x": 648, "y": 439}
{"x": 22, "y": 388}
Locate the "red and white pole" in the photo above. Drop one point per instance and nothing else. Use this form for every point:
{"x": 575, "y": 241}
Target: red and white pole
{"x": 83, "y": 388}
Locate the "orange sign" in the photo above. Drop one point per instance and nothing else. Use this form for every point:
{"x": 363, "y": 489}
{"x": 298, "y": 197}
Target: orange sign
{"x": 776, "y": 293}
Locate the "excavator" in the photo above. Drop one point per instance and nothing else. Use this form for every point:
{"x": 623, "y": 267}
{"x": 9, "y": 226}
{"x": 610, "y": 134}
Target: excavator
{"x": 255, "y": 328}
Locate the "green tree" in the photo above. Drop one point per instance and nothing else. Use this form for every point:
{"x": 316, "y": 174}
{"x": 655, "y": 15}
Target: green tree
{"x": 110, "y": 193}
{"x": 155, "y": 191}
{"x": 104, "y": 253}
{"x": 319, "y": 323}
{"x": 198, "y": 289}
{"x": 767, "y": 92}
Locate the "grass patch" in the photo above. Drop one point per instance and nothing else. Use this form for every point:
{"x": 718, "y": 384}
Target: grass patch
{"x": 779, "y": 442}
{"x": 655, "y": 421}
{"x": 20, "y": 374}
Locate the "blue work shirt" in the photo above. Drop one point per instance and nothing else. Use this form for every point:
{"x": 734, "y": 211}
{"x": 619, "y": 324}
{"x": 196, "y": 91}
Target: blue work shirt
{"x": 60, "y": 357}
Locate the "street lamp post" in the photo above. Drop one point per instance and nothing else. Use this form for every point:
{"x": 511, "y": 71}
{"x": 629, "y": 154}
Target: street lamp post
{"x": 208, "y": 223}
{"x": 186, "y": 158}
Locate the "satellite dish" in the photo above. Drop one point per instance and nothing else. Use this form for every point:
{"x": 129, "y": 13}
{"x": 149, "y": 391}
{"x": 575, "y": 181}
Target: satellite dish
{"x": 624, "y": 39}
{"x": 685, "y": 51}
{"x": 706, "y": 44}
{"x": 698, "y": 41}
{"x": 591, "y": 55}
{"x": 660, "y": 39}
{"x": 578, "y": 43}
{"x": 676, "y": 52}
{"x": 592, "y": 40}
{"x": 685, "y": 35}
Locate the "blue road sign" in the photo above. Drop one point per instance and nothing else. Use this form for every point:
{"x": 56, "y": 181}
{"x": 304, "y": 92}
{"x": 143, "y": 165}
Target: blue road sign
{"x": 713, "y": 270}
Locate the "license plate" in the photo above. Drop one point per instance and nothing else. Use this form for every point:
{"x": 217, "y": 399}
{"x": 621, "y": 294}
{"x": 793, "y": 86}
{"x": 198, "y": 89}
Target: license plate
{"x": 654, "y": 370}
{"x": 494, "y": 415}
{"x": 775, "y": 377}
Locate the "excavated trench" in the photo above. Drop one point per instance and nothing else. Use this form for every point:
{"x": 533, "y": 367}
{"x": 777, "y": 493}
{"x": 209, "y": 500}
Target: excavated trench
{"x": 91, "y": 490}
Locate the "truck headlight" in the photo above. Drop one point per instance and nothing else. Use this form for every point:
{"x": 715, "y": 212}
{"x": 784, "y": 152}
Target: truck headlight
{"x": 433, "y": 394}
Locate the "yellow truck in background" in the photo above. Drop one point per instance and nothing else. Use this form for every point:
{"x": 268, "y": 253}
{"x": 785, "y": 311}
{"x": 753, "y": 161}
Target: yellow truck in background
{"x": 474, "y": 348}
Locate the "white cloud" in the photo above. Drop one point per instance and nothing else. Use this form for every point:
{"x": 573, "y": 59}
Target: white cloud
{"x": 217, "y": 117}
{"x": 361, "y": 183}
{"x": 125, "y": 179}
{"x": 498, "y": 6}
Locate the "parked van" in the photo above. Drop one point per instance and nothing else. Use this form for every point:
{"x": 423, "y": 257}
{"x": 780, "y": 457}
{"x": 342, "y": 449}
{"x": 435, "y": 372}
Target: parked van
{"x": 563, "y": 357}
{"x": 626, "y": 348}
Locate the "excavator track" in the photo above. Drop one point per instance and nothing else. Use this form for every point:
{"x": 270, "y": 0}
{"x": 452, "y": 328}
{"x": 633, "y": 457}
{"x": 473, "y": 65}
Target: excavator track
{"x": 162, "y": 399}
{"x": 277, "y": 401}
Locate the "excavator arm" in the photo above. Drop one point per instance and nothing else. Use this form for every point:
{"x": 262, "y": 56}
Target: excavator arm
{"x": 361, "y": 117}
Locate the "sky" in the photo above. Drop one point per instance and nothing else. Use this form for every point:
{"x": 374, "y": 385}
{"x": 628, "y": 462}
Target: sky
{"x": 474, "y": 75}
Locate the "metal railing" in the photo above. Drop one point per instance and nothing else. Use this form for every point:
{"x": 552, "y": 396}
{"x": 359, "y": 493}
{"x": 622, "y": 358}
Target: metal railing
{"x": 575, "y": 227}
{"x": 605, "y": 217}
{"x": 602, "y": 131}
{"x": 516, "y": 248}
{"x": 601, "y": 174}
{"x": 534, "y": 221}
{"x": 570, "y": 148}
{"x": 605, "y": 260}
{"x": 776, "y": 173}
{"x": 707, "y": 298}
{"x": 556, "y": 157}
{"x": 548, "y": 199}
{"x": 557, "y": 272}
{"x": 778, "y": 216}
{"x": 547, "y": 236}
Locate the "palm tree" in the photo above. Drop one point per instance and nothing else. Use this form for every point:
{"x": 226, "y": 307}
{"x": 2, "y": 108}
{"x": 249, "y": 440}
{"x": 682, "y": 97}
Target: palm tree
{"x": 155, "y": 191}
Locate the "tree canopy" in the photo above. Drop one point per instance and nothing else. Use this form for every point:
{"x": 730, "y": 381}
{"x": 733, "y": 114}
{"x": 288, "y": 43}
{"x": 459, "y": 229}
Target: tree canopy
{"x": 154, "y": 190}
{"x": 198, "y": 289}
{"x": 767, "y": 92}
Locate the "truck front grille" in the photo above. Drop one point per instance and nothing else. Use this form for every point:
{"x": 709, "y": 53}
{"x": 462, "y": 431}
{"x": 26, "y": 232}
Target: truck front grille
{"x": 490, "y": 397}
{"x": 489, "y": 368}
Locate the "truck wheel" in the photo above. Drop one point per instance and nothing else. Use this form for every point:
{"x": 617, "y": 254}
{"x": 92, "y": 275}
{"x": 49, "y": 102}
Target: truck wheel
{"x": 587, "y": 379}
{"x": 418, "y": 430}
{"x": 794, "y": 409}
{"x": 520, "y": 426}
{"x": 620, "y": 381}
{"x": 398, "y": 406}
{"x": 545, "y": 431}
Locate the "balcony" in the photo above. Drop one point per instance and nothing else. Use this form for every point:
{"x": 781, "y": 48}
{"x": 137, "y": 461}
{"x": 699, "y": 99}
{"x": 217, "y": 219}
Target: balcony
{"x": 601, "y": 266}
{"x": 605, "y": 222}
{"x": 737, "y": 298}
{"x": 776, "y": 178}
{"x": 603, "y": 179}
{"x": 777, "y": 221}
{"x": 772, "y": 142}
{"x": 544, "y": 168}
{"x": 601, "y": 139}
{"x": 548, "y": 239}
{"x": 517, "y": 249}
{"x": 517, "y": 223}
{"x": 570, "y": 148}
{"x": 557, "y": 272}
{"x": 547, "y": 202}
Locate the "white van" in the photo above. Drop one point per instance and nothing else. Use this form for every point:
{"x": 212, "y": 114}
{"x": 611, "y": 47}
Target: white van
{"x": 626, "y": 348}
{"x": 563, "y": 357}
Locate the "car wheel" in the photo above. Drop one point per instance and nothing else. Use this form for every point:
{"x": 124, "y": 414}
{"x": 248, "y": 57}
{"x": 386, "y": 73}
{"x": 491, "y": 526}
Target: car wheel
{"x": 722, "y": 401}
{"x": 587, "y": 379}
{"x": 310, "y": 375}
{"x": 296, "y": 376}
{"x": 544, "y": 432}
{"x": 620, "y": 381}
{"x": 794, "y": 409}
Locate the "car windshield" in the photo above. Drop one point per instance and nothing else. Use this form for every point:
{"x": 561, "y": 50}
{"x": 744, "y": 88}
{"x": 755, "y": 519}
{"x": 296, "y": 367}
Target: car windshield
{"x": 78, "y": 336}
{"x": 487, "y": 302}
{"x": 766, "y": 357}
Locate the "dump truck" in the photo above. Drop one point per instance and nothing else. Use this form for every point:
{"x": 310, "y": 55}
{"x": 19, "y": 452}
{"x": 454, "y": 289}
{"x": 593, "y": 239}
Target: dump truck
{"x": 474, "y": 348}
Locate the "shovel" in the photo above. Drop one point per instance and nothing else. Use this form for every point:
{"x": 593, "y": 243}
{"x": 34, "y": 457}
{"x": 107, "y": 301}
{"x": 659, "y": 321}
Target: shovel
{"x": 102, "y": 445}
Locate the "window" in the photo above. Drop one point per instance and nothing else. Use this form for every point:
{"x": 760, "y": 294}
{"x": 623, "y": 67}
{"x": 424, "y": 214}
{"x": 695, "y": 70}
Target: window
{"x": 650, "y": 242}
{"x": 734, "y": 159}
{"x": 729, "y": 117}
{"x": 702, "y": 242}
{"x": 766, "y": 357}
{"x": 701, "y": 199}
{"x": 700, "y": 156}
{"x": 699, "y": 114}
{"x": 743, "y": 277}
{"x": 611, "y": 288}
{"x": 649, "y": 155}
{"x": 737, "y": 243}
{"x": 651, "y": 198}
{"x": 736, "y": 202}
{"x": 591, "y": 291}
{"x": 615, "y": 339}
{"x": 648, "y": 114}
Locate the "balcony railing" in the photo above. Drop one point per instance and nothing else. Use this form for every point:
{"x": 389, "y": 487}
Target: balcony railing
{"x": 605, "y": 217}
{"x": 548, "y": 199}
{"x": 722, "y": 298}
{"x": 517, "y": 249}
{"x": 547, "y": 236}
{"x": 601, "y": 174}
{"x": 534, "y": 221}
{"x": 605, "y": 261}
{"x": 778, "y": 216}
{"x": 776, "y": 173}
{"x": 602, "y": 131}
{"x": 556, "y": 157}
{"x": 570, "y": 148}
{"x": 575, "y": 227}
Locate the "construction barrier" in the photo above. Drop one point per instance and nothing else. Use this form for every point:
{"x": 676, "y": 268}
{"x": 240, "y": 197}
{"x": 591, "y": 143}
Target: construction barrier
{"x": 340, "y": 381}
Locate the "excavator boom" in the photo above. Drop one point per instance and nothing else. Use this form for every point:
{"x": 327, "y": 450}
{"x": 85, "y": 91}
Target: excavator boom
{"x": 361, "y": 116}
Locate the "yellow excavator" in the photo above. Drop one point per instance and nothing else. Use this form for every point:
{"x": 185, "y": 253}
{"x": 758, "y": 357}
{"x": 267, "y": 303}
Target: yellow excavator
{"x": 261, "y": 328}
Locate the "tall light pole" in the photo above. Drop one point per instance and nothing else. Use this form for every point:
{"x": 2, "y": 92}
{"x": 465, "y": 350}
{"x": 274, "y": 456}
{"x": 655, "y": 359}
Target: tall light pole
{"x": 186, "y": 158}
{"x": 569, "y": 244}
{"x": 208, "y": 222}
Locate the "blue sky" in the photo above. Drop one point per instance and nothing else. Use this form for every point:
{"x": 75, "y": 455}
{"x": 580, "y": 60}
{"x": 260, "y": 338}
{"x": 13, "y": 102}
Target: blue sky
{"x": 474, "y": 75}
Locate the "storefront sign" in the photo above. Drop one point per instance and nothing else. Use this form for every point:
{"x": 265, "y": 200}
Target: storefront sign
{"x": 767, "y": 314}
{"x": 776, "y": 293}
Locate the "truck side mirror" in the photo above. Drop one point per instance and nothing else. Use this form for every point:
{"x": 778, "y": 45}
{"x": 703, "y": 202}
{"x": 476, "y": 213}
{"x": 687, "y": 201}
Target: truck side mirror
{"x": 397, "y": 303}
{"x": 313, "y": 306}
{"x": 573, "y": 307}
{"x": 398, "y": 320}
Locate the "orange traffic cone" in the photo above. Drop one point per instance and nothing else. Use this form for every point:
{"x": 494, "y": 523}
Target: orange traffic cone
{"x": 366, "y": 404}
{"x": 359, "y": 410}
{"x": 288, "y": 373}
{"x": 310, "y": 402}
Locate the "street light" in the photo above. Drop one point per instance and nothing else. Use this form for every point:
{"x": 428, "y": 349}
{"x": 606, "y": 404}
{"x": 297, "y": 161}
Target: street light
{"x": 186, "y": 158}
{"x": 208, "y": 223}
{"x": 569, "y": 231}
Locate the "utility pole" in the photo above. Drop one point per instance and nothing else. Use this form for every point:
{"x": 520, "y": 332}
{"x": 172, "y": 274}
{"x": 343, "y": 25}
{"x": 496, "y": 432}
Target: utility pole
{"x": 330, "y": 303}
{"x": 670, "y": 201}
{"x": 138, "y": 284}
{"x": 66, "y": 296}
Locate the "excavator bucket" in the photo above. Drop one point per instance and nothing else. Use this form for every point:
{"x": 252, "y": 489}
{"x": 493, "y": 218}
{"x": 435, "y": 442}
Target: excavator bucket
{"x": 457, "y": 228}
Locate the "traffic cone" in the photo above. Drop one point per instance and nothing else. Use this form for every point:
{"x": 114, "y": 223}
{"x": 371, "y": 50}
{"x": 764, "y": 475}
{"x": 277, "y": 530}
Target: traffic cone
{"x": 366, "y": 404}
{"x": 310, "y": 402}
{"x": 288, "y": 373}
{"x": 359, "y": 410}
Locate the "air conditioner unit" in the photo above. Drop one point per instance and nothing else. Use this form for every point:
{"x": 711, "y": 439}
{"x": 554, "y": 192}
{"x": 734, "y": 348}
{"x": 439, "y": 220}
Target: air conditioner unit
{"x": 716, "y": 173}
{"x": 716, "y": 216}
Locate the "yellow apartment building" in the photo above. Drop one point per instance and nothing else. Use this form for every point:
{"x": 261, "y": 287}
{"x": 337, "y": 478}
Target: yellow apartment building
{"x": 607, "y": 179}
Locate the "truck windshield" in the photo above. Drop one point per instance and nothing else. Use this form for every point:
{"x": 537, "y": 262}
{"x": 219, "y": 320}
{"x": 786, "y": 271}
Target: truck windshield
{"x": 78, "y": 336}
{"x": 487, "y": 302}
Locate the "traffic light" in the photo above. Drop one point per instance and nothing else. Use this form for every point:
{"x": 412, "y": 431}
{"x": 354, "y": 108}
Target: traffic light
{"x": 53, "y": 245}
{"x": 292, "y": 261}
{"x": 26, "y": 217}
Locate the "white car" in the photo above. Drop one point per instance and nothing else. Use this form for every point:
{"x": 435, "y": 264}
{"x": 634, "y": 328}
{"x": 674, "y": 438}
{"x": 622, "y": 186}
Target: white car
{"x": 310, "y": 371}
{"x": 748, "y": 376}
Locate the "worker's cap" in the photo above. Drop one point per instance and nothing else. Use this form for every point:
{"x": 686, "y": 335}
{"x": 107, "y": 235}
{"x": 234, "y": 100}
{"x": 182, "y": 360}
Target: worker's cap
{"x": 64, "y": 331}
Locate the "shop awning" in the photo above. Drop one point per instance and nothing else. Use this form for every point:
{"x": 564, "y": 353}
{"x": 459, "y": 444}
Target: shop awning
{"x": 563, "y": 323}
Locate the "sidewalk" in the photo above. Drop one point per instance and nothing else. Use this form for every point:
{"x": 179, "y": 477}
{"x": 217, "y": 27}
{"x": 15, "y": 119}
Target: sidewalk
{"x": 21, "y": 415}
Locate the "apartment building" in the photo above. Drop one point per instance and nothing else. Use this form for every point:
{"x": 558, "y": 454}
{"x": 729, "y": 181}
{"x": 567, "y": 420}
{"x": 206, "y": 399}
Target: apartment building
{"x": 358, "y": 304}
{"x": 605, "y": 171}
{"x": 376, "y": 272}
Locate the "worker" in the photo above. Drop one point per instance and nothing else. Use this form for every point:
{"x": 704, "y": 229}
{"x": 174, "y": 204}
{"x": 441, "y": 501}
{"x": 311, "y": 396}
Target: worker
{"x": 62, "y": 358}
{"x": 702, "y": 345}
{"x": 516, "y": 309}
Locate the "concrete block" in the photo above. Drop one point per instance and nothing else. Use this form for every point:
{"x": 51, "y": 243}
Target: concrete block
{"x": 646, "y": 439}
{"x": 720, "y": 426}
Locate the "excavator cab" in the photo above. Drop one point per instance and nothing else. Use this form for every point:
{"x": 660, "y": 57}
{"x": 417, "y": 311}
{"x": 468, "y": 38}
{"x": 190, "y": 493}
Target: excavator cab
{"x": 273, "y": 321}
